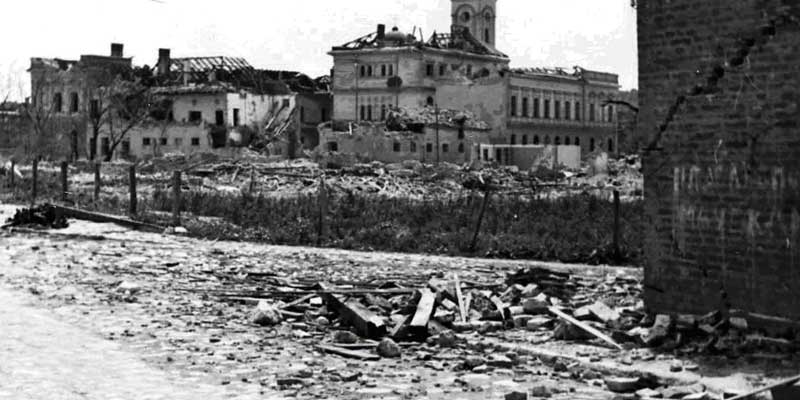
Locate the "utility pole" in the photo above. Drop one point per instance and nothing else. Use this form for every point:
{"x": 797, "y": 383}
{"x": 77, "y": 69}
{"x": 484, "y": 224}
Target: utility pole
{"x": 355, "y": 65}
{"x": 436, "y": 107}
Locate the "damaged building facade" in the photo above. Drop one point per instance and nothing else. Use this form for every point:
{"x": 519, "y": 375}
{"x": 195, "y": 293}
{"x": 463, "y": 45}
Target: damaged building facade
{"x": 199, "y": 104}
{"x": 463, "y": 70}
{"x": 718, "y": 91}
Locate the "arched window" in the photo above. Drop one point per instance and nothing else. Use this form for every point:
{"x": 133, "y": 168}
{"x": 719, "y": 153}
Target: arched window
{"x": 466, "y": 16}
{"x": 513, "y": 139}
{"x": 524, "y": 139}
{"x": 461, "y": 147}
{"x": 567, "y": 141}
{"x": 547, "y": 140}
{"x": 558, "y": 141}
{"x": 577, "y": 141}
{"x": 591, "y": 144}
{"x": 429, "y": 101}
{"x": 610, "y": 145}
{"x": 536, "y": 139}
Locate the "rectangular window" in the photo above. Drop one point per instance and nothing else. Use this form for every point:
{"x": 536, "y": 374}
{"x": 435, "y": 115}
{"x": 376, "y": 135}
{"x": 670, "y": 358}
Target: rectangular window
{"x": 363, "y": 71}
{"x": 442, "y": 69}
{"x": 445, "y": 148}
{"x": 163, "y": 141}
{"x": 383, "y": 112}
{"x": 396, "y": 147}
{"x": 567, "y": 110}
{"x": 126, "y": 147}
{"x": 547, "y": 109}
{"x": 429, "y": 70}
{"x": 558, "y": 109}
{"x": 178, "y": 141}
{"x": 391, "y": 70}
{"x": 536, "y": 112}
{"x": 485, "y": 154}
{"x": 195, "y": 141}
{"x": 610, "y": 113}
{"x": 369, "y": 70}
{"x": 524, "y": 106}
{"x": 429, "y": 147}
{"x": 363, "y": 112}
{"x": 94, "y": 108}
{"x": 383, "y": 70}
{"x": 592, "y": 111}
{"x": 195, "y": 116}
{"x": 236, "y": 117}
{"x": 324, "y": 113}
{"x": 333, "y": 146}
{"x": 513, "y": 106}
{"x": 146, "y": 141}
{"x": 57, "y": 103}
{"x": 286, "y": 103}
{"x": 577, "y": 110}
{"x": 369, "y": 112}
{"x": 105, "y": 146}
{"x": 413, "y": 147}
{"x": 220, "y": 117}
{"x": 73, "y": 102}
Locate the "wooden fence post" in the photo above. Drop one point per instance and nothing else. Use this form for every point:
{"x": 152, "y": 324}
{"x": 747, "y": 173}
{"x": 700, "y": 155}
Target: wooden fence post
{"x": 323, "y": 209}
{"x": 35, "y": 181}
{"x": 97, "y": 182}
{"x": 132, "y": 188}
{"x": 13, "y": 172}
{"x": 252, "y": 180}
{"x": 487, "y": 195}
{"x": 176, "y": 198}
{"x": 617, "y": 254}
{"x": 64, "y": 181}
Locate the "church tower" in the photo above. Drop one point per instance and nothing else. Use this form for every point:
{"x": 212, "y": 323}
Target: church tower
{"x": 480, "y": 16}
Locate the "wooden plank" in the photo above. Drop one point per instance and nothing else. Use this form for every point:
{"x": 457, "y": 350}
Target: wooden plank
{"x": 587, "y": 328}
{"x": 785, "y": 382}
{"x": 427, "y": 302}
{"x": 299, "y": 301}
{"x": 460, "y": 299}
{"x": 365, "y": 322}
{"x": 498, "y": 304}
{"x": 361, "y": 355}
{"x": 106, "y": 218}
{"x": 400, "y": 329}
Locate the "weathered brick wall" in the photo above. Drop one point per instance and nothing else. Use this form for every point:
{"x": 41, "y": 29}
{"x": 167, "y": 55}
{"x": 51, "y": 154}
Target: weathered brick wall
{"x": 719, "y": 86}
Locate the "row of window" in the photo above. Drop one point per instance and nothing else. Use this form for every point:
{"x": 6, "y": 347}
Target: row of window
{"x": 557, "y": 140}
{"x": 431, "y": 69}
{"x": 163, "y": 141}
{"x": 553, "y": 110}
{"x": 376, "y": 70}
{"x": 412, "y": 148}
{"x": 373, "y": 112}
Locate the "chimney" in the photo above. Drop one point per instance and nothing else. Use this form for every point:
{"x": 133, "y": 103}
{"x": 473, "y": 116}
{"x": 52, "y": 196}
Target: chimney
{"x": 164, "y": 62}
{"x": 116, "y": 50}
{"x": 381, "y": 32}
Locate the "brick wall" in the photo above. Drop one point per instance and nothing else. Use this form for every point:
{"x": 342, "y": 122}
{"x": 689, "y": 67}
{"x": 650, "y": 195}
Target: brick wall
{"x": 719, "y": 85}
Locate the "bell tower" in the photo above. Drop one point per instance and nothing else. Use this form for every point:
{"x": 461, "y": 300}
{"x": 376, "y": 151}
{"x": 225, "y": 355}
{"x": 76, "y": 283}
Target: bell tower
{"x": 480, "y": 16}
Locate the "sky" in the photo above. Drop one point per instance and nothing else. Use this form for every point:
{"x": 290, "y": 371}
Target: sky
{"x": 297, "y": 34}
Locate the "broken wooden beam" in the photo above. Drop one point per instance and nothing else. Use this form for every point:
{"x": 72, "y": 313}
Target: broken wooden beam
{"x": 365, "y": 322}
{"x": 460, "y": 299}
{"x": 785, "y": 382}
{"x": 585, "y": 327}
{"x": 75, "y": 213}
{"x": 360, "y": 355}
{"x": 425, "y": 306}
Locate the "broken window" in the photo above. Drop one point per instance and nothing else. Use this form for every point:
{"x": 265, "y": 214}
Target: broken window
{"x": 499, "y": 156}
{"x": 558, "y": 109}
{"x": 577, "y": 141}
{"x": 178, "y": 141}
{"x": 486, "y": 37}
{"x": 547, "y": 140}
{"x": 536, "y": 112}
{"x": 442, "y": 69}
{"x": 383, "y": 70}
{"x": 413, "y": 147}
{"x": 195, "y": 116}
{"x": 396, "y": 147}
{"x": 73, "y": 102}
{"x": 577, "y": 111}
{"x": 429, "y": 147}
{"x": 333, "y": 146}
{"x": 513, "y": 106}
{"x": 146, "y": 141}
{"x": 429, "y": 69}
{"x": 195, "y": 141}
{"x": 94, "y": 108}
{"x": 558, "y": 141}
{"x": 163, "y": 141}
{"x": 567, "y": 110}
{"x": 536, "y": 139}
{"x": 57, "y": 103}
{"x": 513, "y": 139}
{"x": 461, "y": 147}
{"x": 369, "y": 112}
{"x": 461, "y": 132}
{"x": 567, "y": 141}
{"x": 220, "y": 117}
{"x": 485, "y": 154}
{"x": 610, "y": 145}
{"x": 363, "y": 71}
{"x": 429, "y": 101}
{"x": 592, "y": 111}
{"x": 547, "y": 109}
{"x": 445, "y": 147}
{"x": 591, "y": 144}
{"x": 363, "y": 112}
{"x": 324, "y": 113}
{"x": 524, "y": 139}
{"x": 525, "y": 107}
{"x": 369, "y": 70}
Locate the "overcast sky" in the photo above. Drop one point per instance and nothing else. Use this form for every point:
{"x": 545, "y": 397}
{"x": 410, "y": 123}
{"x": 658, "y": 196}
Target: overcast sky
{"x": 296, "y": 34}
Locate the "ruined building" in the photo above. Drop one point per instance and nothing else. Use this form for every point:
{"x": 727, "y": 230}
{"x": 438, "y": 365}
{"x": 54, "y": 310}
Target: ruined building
{"x": 461, "y": 69}
{"x": 719, "y": 97}
{"x": 188, "y": 105}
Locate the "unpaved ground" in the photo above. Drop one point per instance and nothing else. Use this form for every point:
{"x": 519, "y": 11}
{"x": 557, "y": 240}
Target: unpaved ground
{"x": 173, "y": 327}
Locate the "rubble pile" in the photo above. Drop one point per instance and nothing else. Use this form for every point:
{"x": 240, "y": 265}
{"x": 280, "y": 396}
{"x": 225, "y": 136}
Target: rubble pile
{"x": 404, "y": 119}
{"x": 44, "y": 216}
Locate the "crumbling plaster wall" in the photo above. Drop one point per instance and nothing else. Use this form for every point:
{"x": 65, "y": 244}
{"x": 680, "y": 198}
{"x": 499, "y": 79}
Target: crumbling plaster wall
{"x": 487, "y": 98}
{"x": 718, "y": 91}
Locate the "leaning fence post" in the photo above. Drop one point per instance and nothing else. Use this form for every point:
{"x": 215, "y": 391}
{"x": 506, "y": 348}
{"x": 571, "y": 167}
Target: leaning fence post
{"x": 617, "y": 254}
{"x": 487, "y": 195}
{"x": 323, "y": 209}
{"x": 35, "y": 180}
{"x": 176, "y": 198}
{"x": 97, "y": 182}
{"x": 64, "y": 181}
{"x": 132, "y": 187}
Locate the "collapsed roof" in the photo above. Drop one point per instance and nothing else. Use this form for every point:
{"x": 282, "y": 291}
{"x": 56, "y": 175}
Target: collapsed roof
{"x": 459, "y": 38}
